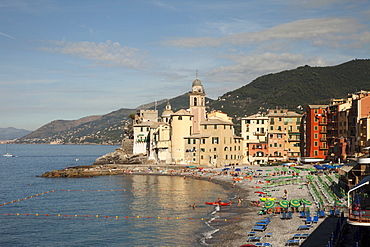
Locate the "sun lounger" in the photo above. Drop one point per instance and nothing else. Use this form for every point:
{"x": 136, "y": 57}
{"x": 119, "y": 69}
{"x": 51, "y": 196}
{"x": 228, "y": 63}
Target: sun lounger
{"x": 303, "y": 227}
{"x": 259, "y": 223}
{"x": 304, "y": 235}
{"x": 259, "y": 228}
{"x": 263, "y": 244}
{"x": 251, "y": 233}
{"x": 302, "y": 215}
{"x": 297, "y": 236}
{"x": 308, "y": 214}
{"x": 252, "y": 239}
{"x": 268, "y": 234}
{"x": 293, "y": 242}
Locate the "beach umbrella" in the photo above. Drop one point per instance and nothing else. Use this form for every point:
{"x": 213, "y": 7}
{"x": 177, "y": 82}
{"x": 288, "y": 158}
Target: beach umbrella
{"x": 269, "y": 204}
{"x": 260, "y": 170}
{"x": 306, "y": 202}
{"x": 309, "y": 177}
{"x": 284, "y": 203}
{"x": 268, "y": 170}
{"x": 277, "y": 169}
{"x": 237, "y": 169}
{"x": 295, "y": 203}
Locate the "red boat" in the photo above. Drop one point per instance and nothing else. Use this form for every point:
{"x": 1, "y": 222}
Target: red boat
{"x": 216, "y": 203}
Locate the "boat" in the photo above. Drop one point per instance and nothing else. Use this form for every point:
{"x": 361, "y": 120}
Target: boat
{"x": 216, "y": 203}
{"x": 7, "y": 154}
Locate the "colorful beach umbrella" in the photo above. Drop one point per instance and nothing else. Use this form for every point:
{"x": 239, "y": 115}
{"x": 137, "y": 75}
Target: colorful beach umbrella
{"x": 306, "y": 202}
{"x": 309, "y": 177}
{"x": 284, "y": 203}
{"x": 269, "y": 204}
{"x": 295, "y": 203}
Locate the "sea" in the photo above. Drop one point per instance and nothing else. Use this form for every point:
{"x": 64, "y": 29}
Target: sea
{"x": 118, "y": 210}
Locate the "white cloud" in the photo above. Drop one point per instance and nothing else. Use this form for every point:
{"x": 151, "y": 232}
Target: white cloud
{"x": 334, "y": 29}
{"x": 106, "y": 54}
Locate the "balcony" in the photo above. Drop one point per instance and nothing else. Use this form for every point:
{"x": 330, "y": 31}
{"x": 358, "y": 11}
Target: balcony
{"x": 323, "y": 147}
{"x": 259, "y": 133}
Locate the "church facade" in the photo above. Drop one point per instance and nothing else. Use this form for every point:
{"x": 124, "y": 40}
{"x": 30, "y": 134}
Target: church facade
{"x": 189, "y": 137}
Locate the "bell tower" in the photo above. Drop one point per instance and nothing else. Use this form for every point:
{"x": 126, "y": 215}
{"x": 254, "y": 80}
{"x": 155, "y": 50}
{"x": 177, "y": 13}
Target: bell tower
{"x": 197, "y": 104}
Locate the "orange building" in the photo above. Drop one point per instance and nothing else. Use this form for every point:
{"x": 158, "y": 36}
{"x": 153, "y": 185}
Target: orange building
{"x": 316, "y": 131}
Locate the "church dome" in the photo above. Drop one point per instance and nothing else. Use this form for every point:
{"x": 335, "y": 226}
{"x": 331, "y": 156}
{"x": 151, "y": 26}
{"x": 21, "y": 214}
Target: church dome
{"x": 197, "y": 82}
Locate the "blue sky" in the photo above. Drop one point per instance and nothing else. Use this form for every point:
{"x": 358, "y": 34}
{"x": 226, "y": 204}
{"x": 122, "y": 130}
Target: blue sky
{"x": 67, "y": 59}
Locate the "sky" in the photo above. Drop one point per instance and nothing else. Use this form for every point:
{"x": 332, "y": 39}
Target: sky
{"x": 67, "y": 59}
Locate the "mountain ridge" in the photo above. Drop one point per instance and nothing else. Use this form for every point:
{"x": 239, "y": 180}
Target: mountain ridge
{"x": 289, "y": 89}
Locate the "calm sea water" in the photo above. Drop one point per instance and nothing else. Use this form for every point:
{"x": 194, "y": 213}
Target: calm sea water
{"x": 133, "y": 210}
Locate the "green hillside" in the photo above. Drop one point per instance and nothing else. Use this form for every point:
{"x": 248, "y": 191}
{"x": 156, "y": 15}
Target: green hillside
{"x": 301, "y": 86}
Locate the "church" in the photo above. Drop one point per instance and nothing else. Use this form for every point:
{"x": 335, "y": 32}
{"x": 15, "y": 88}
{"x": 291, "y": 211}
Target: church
{"x": 189, "y": 136}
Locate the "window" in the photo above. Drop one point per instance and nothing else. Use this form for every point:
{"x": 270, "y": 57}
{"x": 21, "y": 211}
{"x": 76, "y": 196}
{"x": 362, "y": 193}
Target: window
{"x": 271, "y": 127}
{"x": 226, "y": 157}
{"x": 214, "y": 140}
{"x": 275, "y": 144}
{"x": 202, "y": 149}
{"x": 180, "y": 118}
{"x": 215, "y": 126}
{"x": 205, "y": 126}
{"x": 189, "y": 141}
{"x": 194, "y": 141}
{"x": 315, "y": 144}
{"x": 203, "y": 141}
{"x": 247, "y": 121}
{"x": 279, "y": 136}
{"x": 315, "y": 127}
{"x": 316, "y": 136}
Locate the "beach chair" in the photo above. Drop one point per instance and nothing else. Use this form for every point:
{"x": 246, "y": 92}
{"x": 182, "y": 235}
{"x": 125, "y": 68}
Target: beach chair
{"x": 283, "y": 216}
{"x": 267, "y": 244}
{"x": 259, "y": 228}
{"x": 308, "y": 220}
{"x": 315, "y": 219}
{"x": 303, "y": 227}
{"x": 289, "y": 216}
{"x": 331, "y": 212}
{"x": 302, "y": 215}
{"x": 308, "y": 214}
{"x": 251, "y": 233}
{"x": 322, "y": 214}
{"x": 293, "y": 242}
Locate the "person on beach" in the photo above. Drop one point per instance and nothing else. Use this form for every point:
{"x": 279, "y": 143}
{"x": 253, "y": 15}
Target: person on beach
{"x": 230, "y": 203}
{"x": 239, "y": 202}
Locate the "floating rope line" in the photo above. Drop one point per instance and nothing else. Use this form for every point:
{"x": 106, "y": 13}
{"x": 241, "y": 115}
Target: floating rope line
{"x": 116, "y": 217}
{"x": 29, "y": 197}
{"x": 124, "y": 190}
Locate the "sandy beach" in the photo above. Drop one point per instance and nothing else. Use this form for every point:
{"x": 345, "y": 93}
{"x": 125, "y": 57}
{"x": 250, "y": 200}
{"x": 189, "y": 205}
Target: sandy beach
{"x": 252, "y": 184}
{"x": 234, "y": 231}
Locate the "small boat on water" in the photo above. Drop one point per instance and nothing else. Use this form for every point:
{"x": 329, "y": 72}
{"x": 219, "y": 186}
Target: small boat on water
{"x": 7, "y": 153}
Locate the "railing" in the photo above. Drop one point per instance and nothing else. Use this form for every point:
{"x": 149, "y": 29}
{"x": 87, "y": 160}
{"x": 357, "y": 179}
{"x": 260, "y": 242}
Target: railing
{"x": 359, "y": 216}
